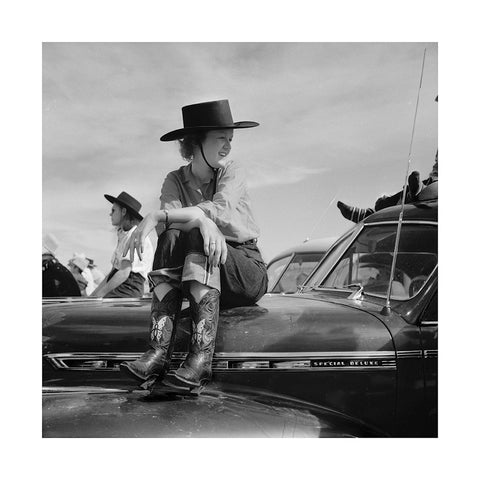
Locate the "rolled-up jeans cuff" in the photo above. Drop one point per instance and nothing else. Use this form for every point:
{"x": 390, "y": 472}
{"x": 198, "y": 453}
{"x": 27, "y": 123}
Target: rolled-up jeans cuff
{"x": 165, "y": 275}
{"x": 196, "y": 268}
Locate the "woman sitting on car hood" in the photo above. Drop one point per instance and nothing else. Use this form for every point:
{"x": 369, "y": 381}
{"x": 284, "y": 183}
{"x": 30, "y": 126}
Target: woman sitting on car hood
{"x": 206, "y": 247}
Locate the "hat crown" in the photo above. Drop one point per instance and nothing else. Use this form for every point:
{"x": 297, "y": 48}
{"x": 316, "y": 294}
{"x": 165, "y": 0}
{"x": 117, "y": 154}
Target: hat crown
{"x": 129, "y": 201}
{"x": 215, "y": 113}
{"x": 80, "y": 262}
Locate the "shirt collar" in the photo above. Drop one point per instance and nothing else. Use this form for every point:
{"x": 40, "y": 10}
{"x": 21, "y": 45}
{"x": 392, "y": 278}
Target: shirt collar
{"x": 121, "y": 232}
{"x": 187, "y": 176}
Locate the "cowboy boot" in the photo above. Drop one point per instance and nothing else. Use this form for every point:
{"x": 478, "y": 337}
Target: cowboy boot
{"x": 155, "y": 361}
{"x": 196, "y": 370}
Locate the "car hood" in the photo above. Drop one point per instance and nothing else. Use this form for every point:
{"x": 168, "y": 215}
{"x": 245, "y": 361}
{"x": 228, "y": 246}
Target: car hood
{"x": 100, "y": 412}
{"x": 278, "y": 323}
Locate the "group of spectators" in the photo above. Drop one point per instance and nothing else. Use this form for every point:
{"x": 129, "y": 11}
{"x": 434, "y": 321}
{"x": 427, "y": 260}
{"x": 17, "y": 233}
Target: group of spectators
{"x": 79, "y": 278}
{"x": 128, "y": 275}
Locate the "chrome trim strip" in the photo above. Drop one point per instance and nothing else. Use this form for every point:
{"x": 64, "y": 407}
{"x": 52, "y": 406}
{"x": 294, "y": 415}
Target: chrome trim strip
{"x": 53, "y": 390}
{"x": 431, "y": 353}
{"x": 304, "y": 354}
{"x": 223, "y": 355}
{"x": 409, "y": 354}
{"x": 411, "y": 222}
{"x": 429, "y": 323}
{"x": 241, "y": 361}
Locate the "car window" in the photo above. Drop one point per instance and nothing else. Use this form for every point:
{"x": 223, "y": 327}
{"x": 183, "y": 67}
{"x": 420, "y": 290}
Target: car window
{"x": 297, "y": 272}
{"x": 329, "y": 260}
{"x": 275, "y": 269}
{"x": 368, "y": 260}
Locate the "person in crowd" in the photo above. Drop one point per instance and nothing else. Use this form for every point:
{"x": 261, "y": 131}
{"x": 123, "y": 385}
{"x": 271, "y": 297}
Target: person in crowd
{"x": 86, "y": 273}
{"x": 77, "y": 266}
{"x": 97, "y": 274}
{"x": 128, "y": 274}
{"x": 416, "y": 191}
{"x": 207, "y": 246}
{"x": 57, "y": 280}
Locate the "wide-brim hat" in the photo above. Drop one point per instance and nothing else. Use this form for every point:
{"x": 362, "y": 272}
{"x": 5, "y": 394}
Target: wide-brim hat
{"x": 127, "y": 201}
{"x": 80, "y": 262}
{"x": 202, "y": 117}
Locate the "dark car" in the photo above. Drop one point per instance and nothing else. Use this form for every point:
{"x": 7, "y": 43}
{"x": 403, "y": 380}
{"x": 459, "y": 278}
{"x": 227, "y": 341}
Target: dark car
{"x": 288, "y": 270}
{"x": 354, "y": 353}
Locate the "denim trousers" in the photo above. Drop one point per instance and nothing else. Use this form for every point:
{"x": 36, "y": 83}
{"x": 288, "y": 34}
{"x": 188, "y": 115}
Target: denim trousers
{"x": 180, "y": 258}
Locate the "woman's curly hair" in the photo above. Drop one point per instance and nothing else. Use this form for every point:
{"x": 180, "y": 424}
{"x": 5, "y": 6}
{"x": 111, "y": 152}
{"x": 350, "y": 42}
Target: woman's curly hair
{"x": 188, "y": 144}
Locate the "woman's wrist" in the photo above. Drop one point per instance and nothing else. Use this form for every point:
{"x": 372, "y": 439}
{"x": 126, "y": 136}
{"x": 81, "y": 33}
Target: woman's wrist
{"x": 159, "y": 216}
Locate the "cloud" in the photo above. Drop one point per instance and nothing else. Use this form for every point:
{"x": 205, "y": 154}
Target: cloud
{"x": 328, "y": 113}
{"x": 282, "y": 176}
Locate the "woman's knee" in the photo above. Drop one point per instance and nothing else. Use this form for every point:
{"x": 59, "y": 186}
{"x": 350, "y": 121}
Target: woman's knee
{"x": 167, "y": 251}
{"x": 168, "y": 237}
{"x": 194, "y": 239}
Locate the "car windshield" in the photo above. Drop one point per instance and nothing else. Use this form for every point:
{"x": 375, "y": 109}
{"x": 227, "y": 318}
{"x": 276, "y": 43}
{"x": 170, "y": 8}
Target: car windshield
{"x": 367, "y": 261}
{"x": 288, "y": 280}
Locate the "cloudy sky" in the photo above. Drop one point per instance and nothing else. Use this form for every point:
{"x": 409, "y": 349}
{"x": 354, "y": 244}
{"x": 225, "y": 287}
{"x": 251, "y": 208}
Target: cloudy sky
{"x": 335, "y": 123}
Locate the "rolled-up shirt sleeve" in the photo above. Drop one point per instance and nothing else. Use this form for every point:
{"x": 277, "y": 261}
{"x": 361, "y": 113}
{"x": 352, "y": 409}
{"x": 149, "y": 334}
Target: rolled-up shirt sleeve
{"x": 231, "y": 189}
{"x": 170, "y": 195}
{"x": 169, "y": 198}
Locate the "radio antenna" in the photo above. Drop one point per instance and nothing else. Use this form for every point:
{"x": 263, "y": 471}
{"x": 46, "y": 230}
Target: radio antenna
{"x": 320, "y": 218}
{"x": 400, "y": 218}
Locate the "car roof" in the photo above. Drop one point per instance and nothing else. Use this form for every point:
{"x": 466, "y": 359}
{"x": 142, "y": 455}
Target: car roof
{"x": 316, "y": 245}
{"x": 421, "y": 211}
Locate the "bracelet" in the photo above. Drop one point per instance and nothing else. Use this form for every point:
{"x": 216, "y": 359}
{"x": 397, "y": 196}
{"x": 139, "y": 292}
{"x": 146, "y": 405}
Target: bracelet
{"x": 166, "y": 218}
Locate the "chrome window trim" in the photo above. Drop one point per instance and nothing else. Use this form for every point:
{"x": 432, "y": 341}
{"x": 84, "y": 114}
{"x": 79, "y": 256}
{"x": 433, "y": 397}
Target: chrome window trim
{"x": 283, "y": 270}
{"x": 346, "y": 234}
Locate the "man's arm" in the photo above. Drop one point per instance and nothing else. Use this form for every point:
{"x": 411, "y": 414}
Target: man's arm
{"x": 117, "y": 279}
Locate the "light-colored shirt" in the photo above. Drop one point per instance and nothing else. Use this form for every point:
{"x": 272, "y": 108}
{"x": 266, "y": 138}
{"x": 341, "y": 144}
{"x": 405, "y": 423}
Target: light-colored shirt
{"x": 97, "y": 275}
{"x": 229, "y": 208}
{"x": 87, "y": 275}
{"x": 143, "y": 266}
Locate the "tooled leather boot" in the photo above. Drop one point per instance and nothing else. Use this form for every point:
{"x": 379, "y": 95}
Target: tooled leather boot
{"x": 155, "y": 361}
{"x": 196, "y": 370}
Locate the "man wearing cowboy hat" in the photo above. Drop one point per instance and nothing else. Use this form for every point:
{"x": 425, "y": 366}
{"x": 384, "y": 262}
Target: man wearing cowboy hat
{"x": 77, "y": 266}
{"x": 127, "y": 277}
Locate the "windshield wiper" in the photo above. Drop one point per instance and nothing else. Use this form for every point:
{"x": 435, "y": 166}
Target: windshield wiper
{"x": 318, "y": 288}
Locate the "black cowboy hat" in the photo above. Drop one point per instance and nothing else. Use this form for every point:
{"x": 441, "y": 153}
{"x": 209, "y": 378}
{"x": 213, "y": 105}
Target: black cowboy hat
{"x": 206, "y": 116}
{"x": 127, "y": 201}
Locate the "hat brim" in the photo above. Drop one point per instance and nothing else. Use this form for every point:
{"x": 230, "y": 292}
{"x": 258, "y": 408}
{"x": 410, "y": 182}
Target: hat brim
{"x": 181, "y": 132}
{"x": 113, "y": 199}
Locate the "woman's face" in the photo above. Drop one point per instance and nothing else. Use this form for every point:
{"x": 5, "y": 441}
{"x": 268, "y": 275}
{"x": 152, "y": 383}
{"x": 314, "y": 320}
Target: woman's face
{"x": 116, "y": 215}
{"x": 217, "y": 146}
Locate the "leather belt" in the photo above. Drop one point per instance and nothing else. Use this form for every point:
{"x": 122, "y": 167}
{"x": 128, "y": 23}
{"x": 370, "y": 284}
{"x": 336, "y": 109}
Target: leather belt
{"x": 253, "y": 241}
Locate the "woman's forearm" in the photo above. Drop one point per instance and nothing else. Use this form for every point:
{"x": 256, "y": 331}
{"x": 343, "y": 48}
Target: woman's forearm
{"x": 117, "y": 279}
{"x": 180, "y": 215}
